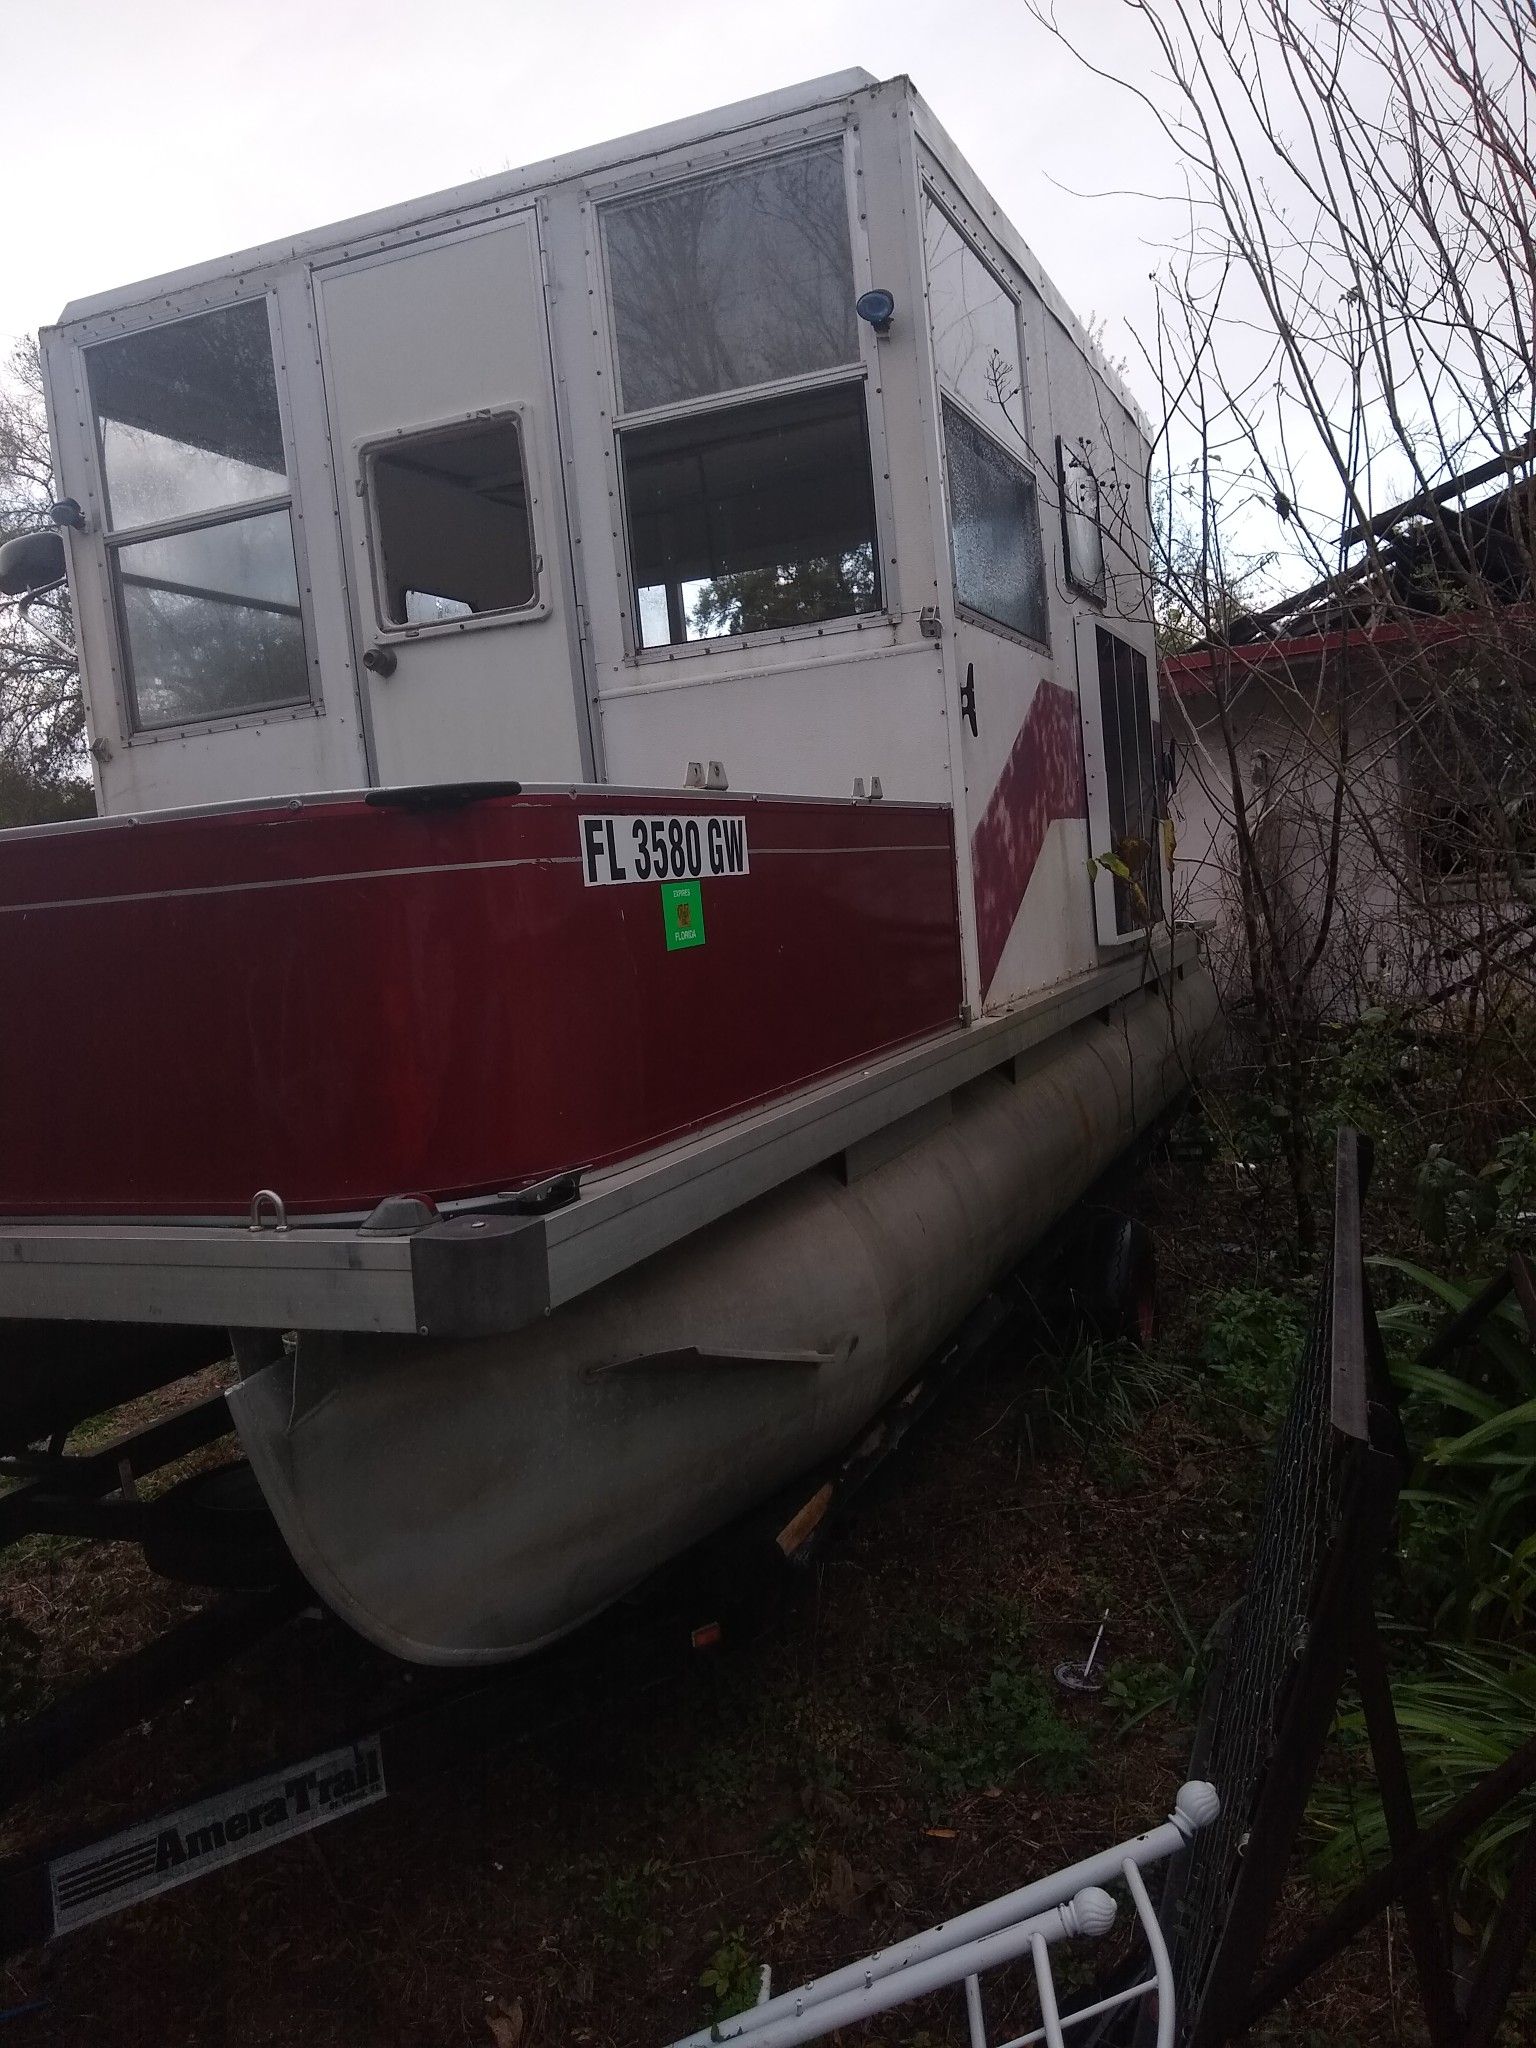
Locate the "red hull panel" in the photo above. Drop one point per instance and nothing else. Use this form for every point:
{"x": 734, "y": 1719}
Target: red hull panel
{"x": 341, "y": 1001}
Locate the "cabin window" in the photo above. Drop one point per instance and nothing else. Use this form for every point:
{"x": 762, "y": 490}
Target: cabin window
{"x": 744, "y": 514}
{"x": 451, "y": 525}
{"x": 753, "y": 517}
{"x": 994, "y": 518}
{"x": 975, "y": 324}
{"x": 212, "y": 621}
{"x": 1128, "y": 737}
{"x": 1082, "y": 537}
{"x": 199, "y": 524}
{"x": 743, "y": 277}
{"x": 994, "y": 505}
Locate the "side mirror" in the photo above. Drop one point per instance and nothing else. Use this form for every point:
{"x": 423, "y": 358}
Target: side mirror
{"x": 30, "y": 563}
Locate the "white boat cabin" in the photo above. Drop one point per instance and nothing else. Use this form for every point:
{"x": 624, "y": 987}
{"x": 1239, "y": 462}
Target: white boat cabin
{"x": 754, "y": 450}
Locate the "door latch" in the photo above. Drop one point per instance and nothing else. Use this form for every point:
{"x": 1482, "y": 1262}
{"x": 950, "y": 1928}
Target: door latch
{"x": 381, "y": 661}
{"x": 968, "y": 697}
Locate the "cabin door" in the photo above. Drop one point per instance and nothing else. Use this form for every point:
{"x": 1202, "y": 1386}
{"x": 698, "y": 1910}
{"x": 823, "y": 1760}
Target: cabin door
{"x": 442, "y": 423}
{"x": 1019, "y": 746}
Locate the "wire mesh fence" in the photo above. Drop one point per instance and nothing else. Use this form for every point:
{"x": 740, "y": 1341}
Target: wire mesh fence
{"x": 1328, "y": 1502}
{"x": 1266, "y": 1642}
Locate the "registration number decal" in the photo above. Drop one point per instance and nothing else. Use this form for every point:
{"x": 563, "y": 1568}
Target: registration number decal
{"x": 677, "y": 847}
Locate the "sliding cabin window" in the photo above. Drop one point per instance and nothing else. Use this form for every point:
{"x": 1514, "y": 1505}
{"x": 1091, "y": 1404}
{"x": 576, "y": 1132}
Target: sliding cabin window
{"x": 199, "y": 519}
{"x": 1132, "y": 781}
{"x": 743, "y": 513}
{"x": 994, "y": 503}
{"x": 452, "y": 537}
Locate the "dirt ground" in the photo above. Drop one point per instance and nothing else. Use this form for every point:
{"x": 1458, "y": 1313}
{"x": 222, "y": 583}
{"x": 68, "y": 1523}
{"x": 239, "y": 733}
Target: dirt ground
{"x": 873, "y": 1746}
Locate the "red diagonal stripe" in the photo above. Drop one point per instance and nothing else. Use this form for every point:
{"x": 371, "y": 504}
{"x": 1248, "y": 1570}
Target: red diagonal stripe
{"x": 1042, "y": 780}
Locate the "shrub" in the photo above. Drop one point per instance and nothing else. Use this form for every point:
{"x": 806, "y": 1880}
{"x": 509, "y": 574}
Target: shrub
{"x": 1469, "y": 1527}
{"x": 1458, "y": 1721}
{"x": 730, "y": 1976}
{"x": 1253, "y": 1339}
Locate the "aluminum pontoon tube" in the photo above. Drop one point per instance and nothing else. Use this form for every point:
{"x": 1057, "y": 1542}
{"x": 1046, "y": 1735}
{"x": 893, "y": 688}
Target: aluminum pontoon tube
{"x": 468, "y": 1502}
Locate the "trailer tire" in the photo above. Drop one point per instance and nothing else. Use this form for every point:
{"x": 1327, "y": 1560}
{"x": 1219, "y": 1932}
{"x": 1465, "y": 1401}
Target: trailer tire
{"x": 214, "y": 1529}
{"x": 1112, "y": 1281}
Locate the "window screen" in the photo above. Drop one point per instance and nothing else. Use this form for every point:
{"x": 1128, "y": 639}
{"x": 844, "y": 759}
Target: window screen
{"x": 1131, "y": 774}
{"x": 744, "y": 277}
{"x": 994, "y": 517}
{"x": 1082, "y": 537}
{"x": 752, "y": 517}
{"x": 975, "y": 326}
{"x": 200, "y": 531}
{"x": 451, "y": 524}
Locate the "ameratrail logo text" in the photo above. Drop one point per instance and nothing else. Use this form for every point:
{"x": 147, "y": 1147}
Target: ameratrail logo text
{"x": 89, "y": 1883}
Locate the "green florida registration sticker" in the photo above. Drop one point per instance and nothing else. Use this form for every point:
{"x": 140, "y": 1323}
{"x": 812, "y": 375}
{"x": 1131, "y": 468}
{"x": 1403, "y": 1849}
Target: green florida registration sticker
{"x": 682, "y": 910}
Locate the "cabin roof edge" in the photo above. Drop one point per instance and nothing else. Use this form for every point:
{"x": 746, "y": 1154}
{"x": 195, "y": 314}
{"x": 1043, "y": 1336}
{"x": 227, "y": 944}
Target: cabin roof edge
{"x": 527, "y": 180}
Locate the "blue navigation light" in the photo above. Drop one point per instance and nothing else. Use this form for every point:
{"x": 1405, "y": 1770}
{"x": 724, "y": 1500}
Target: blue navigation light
{"x": 878, "y": 308}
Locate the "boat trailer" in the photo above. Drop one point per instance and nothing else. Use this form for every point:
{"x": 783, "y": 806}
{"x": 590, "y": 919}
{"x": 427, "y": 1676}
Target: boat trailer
{"x": 63, "y": 1885}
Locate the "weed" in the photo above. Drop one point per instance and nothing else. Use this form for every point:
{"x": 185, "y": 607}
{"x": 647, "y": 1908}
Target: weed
{"x": 1092, "y": 1390}
{"x": 930, "y": 1636}
{"x": 622, "y": 1906}
{"x": 1118, "y": 1469}
{"x": 730, "y": 1976}
{"x": 1075, "y": 1968}
{"x": 995, "y": 1625}
{"x": 41, "y": 1549}
{"x": 721, "y": 1775}
{"x": 794, "y": 1836}
{"x": 1253, "y": 1338}
{"x": 1512, "y": 1171}
{"x": 1140, "y": 1688}
{"x": 999, "y": 1730}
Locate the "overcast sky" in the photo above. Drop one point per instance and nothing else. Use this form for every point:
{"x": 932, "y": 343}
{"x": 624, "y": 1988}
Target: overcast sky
{"x": 139, "y": 137}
